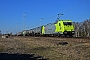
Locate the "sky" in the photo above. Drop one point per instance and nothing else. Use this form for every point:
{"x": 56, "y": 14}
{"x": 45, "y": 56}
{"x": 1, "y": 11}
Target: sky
{"x": 18, "y": 15}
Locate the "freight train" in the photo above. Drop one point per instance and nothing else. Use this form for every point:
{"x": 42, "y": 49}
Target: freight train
{"x": 59, "y": 28}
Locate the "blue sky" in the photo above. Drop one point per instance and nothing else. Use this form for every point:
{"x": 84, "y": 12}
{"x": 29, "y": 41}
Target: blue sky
{"x": 12, "y": 13}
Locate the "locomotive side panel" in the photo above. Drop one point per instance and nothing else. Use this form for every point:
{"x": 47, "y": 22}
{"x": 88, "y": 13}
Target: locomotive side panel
{"x": 50, "y": 29}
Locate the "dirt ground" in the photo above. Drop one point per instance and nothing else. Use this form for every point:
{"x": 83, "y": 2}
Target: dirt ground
{"x": 45, "y": 48}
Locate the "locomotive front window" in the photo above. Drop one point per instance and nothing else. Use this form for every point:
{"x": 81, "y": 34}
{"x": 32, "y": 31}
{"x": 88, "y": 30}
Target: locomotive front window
{"x": 59, "y": 24}
{"x": 67, "y": 23}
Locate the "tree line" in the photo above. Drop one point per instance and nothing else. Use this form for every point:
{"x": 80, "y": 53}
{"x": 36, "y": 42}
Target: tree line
{"x": 82, "y": 29}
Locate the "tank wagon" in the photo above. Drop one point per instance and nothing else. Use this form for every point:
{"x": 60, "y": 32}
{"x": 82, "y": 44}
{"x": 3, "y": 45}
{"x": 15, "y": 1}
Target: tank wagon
{"x": 36, "y": 31}
{"x": 19, "y": 34}
{"x": 60, "y": 27}
{"x": 25, "y": 32}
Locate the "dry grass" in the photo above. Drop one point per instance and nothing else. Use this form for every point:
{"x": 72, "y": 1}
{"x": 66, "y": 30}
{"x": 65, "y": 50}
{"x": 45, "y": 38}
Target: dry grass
{"x": 76, "y": 49}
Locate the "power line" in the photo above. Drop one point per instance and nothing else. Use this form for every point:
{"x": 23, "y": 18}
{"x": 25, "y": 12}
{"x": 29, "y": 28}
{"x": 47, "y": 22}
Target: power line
{"x": 35, "y": 5}
{"x": 67, "y": 10}
{"x": 24, "y": 18}
{"x": 41, "y": 21}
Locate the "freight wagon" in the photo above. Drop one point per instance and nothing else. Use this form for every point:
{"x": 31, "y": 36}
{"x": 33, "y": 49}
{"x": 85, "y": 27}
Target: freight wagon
{"x": 25, "y": 32}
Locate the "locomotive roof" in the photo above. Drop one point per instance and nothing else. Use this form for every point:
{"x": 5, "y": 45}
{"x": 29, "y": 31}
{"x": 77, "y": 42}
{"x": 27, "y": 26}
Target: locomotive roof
{"x": 63, "y": 21}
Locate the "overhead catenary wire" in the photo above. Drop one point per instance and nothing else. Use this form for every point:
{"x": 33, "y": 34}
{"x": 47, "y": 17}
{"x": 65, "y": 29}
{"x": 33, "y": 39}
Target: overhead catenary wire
{"x": 35, "y": 6}
{"x": 76, "y": 6}
{"x": 67, "y": 10}
{"x": 70, "y": 8}
{"x": 24, "y": 18}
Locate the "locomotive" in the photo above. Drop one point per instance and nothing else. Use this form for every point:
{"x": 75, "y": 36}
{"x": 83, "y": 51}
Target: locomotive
{"x": 59, "y": 28}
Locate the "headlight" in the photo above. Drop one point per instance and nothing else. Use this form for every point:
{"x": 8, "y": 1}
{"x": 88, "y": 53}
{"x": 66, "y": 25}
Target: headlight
{"x": 65, "y": 32}
{"x": 73, "y": 32}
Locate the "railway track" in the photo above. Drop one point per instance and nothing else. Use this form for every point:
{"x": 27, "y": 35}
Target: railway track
{"x": 58, "y": 39}
{"x": 55, "y": 37}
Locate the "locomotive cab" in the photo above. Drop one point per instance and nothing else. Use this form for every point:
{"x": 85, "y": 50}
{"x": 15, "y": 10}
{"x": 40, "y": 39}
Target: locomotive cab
{"x": 68, "y": 28}
{"x": 65, "y": 27}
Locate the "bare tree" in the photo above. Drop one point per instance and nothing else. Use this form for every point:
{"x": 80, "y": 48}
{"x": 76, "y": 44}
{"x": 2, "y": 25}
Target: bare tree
{"x": 76, "y": 25}
{"x": 0, "y": 32}
{"x": 82, "y": 29}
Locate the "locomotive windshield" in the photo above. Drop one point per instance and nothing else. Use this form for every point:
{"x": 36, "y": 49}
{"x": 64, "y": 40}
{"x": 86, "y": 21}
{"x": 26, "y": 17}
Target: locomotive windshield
{"x": 67, "y": 23}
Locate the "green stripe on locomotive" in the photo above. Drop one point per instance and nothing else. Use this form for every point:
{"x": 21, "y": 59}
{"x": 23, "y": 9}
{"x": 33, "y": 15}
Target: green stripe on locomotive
{"x": 43, "y": 30}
